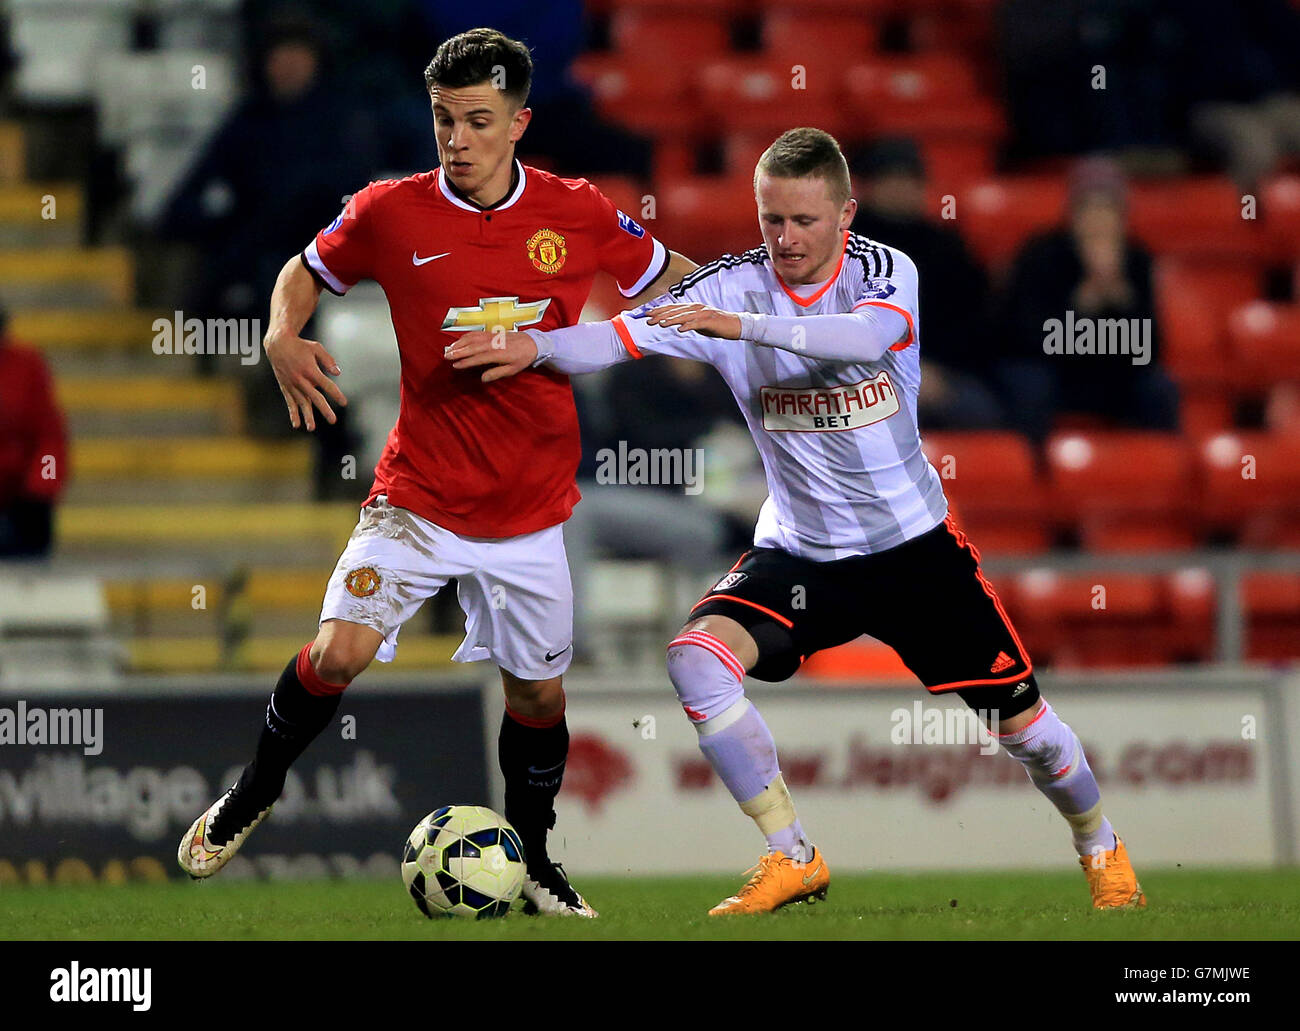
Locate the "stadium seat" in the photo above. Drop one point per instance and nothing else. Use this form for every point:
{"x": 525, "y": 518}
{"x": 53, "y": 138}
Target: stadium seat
{"x": 992, "y": 480}
{"x": 1280, "y": 211}
{"x": 931, "y": 98}
{"x": 791, "y": 30}
{"x": 998, "y": 215}
{"x": 704, "y": 216}
{"x": 1195, "y": 217}
{"x": 1123, "y": 491}
{"x": 857, "y": 664}
{"x": 1193, "y": 301}
{"x": 1249, "y": 487}
{"x": 1107, "y": 618}
{"x": 626, "y": 192}
{"x": 645, "y": 96}
{"x": 766, "y": 94}
{"x": 1271, "y": 602}
{"x": 1264, "y": 345}
{"x": 1192, "y": 600}
{"x": 687, "y": 35}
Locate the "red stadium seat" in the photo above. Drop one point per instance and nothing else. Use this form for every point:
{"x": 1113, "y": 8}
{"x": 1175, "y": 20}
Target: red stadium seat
{"x": 1264, "y": 344}
{"x": 1271, "y": 602}
{"x": 998, "y": 215}
{"x": 1280, "y": 211}
{"x": 650, "y": 97}
{"x": 993, "y": 482}
{"x": 766, "y": 94}
{"x": 704, "y": 216}
{"x": 1192, "y": 615}
{"x": 716, "y": 7}
{"x": 1107, "y": 618}
{"x": 1193, "y": 301}
{"x": 790, "y": 31}
{"x": 1250, "y": 487}
{"x": 1124, "y": 491}
{"x": 626, "y": 192}
{"x": 1195, "y": 217}
{"x": 686, "y": 35}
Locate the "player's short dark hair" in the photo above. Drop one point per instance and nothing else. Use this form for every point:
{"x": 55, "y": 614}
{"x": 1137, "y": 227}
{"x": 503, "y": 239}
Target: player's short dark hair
{"x": 807, "y": 152}
{"x": 483, "y": 55}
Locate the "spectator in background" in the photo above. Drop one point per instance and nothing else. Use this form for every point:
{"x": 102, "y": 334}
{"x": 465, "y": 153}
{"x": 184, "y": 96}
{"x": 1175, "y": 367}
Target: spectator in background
{"x": 270, "y": 177}
{"x": 1052, "y": 56}
{"x": 565, "y": 130}
{"x": 957, "y": 386}
{"x": 33, "y": 450}
{"x": 1091, "y": 268}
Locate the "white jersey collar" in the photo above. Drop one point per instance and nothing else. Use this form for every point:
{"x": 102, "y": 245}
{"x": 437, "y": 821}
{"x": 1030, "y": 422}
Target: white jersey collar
{"x": 460, "y": 202}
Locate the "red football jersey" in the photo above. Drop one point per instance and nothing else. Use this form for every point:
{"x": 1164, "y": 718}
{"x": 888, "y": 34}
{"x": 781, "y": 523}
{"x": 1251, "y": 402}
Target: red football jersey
{"x": 495, "y": 459}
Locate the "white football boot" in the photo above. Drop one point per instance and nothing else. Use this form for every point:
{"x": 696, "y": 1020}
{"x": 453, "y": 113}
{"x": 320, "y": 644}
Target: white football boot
{"x": 198, "y": 855}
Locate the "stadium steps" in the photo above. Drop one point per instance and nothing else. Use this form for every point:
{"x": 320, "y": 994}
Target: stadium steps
{"x": 150, "y": 405}
{"x": 13, "y": 153}
{"x": 269, "y": 654}
{"x": 307, "y": 533}
{"x": 274, "y": 599}
{"x": 23, "y": 215}
{"x": 94, "y": 331}
{"x": 67, "y": 277}
{"x": 211, "y": 469}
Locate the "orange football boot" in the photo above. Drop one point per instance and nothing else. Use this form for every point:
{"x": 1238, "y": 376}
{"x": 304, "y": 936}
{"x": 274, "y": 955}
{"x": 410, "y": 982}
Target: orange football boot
{"x": 778, "y": 881}
{"x": 1111, "y": 879}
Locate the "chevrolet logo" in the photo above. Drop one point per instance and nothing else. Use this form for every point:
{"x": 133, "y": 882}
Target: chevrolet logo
{"x": 491, "y": 312}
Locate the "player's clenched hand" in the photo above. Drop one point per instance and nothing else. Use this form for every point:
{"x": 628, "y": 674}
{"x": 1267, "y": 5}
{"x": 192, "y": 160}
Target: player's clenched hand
{"x": 506, "y": 353}
{"x": 300, "y": 368}
{"x": 698, "y": 318}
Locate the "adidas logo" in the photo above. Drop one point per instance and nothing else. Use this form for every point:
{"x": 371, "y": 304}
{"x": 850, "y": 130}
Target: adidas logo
{"x": 1002, "y": 662}
{"x": 1021, "y": 688}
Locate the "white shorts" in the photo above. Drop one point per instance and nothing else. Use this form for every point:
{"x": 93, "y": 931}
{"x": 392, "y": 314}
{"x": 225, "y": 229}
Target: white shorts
{"x": 515, "y": 591}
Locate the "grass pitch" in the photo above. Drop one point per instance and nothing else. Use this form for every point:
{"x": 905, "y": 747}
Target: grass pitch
{"x": 1183, "y": 905}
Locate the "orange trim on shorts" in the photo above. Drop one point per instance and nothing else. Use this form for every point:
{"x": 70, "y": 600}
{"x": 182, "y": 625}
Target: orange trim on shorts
{"x": 625, "y": 335}
{"x": 964, "y": 542}
{"x": 741, "y": 601}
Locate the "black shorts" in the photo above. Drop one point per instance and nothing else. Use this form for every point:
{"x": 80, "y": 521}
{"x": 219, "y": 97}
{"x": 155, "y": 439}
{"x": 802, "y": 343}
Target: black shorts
{"x": 927, "y": 599}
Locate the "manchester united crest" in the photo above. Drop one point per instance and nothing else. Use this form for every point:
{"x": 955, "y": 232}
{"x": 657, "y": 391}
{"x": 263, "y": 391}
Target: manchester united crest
{"x": 362, "y": 582}
{"x": 546, "y": 251}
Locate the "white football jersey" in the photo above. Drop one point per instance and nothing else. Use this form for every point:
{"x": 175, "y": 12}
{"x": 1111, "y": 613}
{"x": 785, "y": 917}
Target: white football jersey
{"x": 839, "y": 442}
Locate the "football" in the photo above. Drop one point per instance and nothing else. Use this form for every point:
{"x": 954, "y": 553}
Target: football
{"x": 463, "y": 860}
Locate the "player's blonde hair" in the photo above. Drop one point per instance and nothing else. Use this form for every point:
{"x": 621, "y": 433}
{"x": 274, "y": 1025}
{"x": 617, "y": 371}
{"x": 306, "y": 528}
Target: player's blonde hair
{"x": 807, "y": 152}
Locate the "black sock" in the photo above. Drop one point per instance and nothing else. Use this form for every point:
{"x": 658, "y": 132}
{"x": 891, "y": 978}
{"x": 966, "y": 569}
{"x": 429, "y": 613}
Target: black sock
{"x": 294, "y": 718}
{"x": 532, "y": 761}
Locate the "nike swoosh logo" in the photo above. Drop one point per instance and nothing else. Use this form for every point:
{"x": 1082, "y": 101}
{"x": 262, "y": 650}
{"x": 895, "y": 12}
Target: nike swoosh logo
{"x": 198, "y": 850}
{"x": 552, "y": 658}
{"x": 417, "y": 260}
{"x": 809, "y": 879}
{"x": 550, "y": 769}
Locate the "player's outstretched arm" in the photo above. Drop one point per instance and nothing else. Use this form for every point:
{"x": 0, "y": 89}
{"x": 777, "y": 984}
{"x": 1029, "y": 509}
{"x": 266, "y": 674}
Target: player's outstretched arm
{"x": 300, "y": 366}
{"x": 573, "y": 350}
